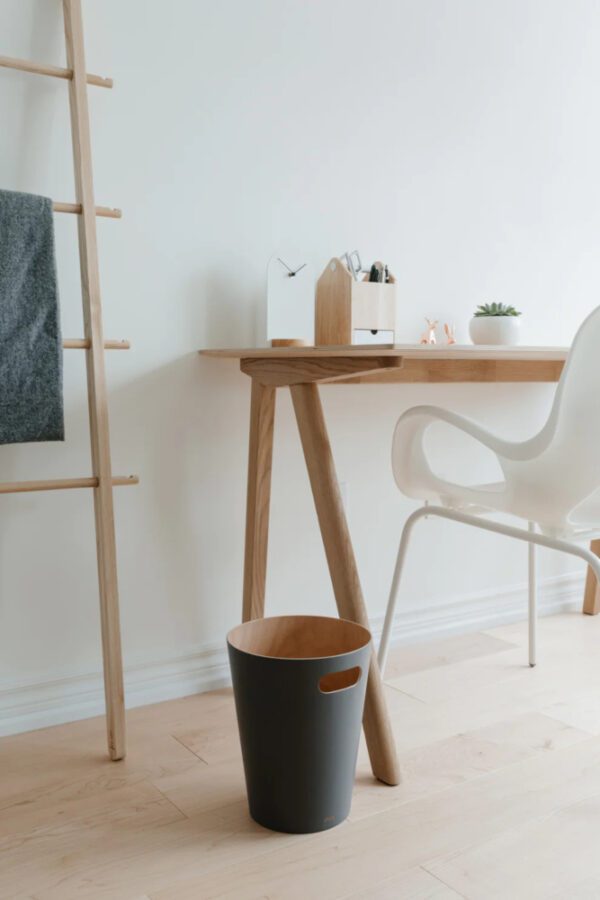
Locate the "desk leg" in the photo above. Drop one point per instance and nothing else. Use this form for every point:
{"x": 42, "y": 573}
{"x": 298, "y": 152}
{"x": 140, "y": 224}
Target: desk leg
{"x": 591, "y": 597}
{"x": 342, "y": 568}
{"x": 260, "y": 456}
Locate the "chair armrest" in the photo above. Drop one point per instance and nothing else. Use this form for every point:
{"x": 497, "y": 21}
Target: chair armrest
{"x": 430, "y": 414}
{"x": 411, "y": 469}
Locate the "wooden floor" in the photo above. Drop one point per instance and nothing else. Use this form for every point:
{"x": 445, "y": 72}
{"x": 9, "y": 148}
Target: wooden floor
{"x": 500, "y": 799}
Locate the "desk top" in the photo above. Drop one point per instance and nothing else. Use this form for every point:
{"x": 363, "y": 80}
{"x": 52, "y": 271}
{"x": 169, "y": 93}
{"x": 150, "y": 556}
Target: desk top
{"x": 405, "y": 351}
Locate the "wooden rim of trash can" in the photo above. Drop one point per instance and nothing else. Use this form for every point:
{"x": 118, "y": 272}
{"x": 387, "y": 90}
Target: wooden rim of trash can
{"x": 298, "y": 637}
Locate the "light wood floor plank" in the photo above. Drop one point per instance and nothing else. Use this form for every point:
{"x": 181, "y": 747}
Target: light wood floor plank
{"x": 560, "y": 664}
{"x": 333, "y": 864}
{"x": 30, "y": 820}
{"x": 405, "y": 659}
{"x": 122, "y": 864}
{"x": 580, "y": 711}
{"x": 44, "y": 858}
{"x": 565, "y": 628}
{"x": 416, "y": 884}
{"x": 462, "y": 757}
{"x": 205, "y": 787}
{"x": 469, "y": 710}
{"x": 45, "y": 775}
{"x": 547, "y": 859}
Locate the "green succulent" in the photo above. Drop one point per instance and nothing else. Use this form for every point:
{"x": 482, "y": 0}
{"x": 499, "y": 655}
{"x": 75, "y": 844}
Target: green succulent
{"x": 496, "y": 309}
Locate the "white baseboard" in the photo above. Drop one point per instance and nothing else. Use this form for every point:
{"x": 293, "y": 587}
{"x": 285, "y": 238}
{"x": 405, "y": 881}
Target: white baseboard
{"x": 482, "y": 610}
{"x": 37, "y": 705}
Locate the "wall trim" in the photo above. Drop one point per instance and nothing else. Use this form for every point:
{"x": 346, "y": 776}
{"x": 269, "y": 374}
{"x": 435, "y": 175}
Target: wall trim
{"x": 30, "y": 706}
{"x": 481, "y": 610}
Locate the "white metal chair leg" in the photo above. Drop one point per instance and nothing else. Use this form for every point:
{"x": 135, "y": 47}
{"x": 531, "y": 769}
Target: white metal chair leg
{"x": 533, "y": 538}
{"x": 391, "y": 607}
{"x": 531, "y": 555}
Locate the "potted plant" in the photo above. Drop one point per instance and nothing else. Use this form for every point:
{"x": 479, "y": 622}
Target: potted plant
{"x": 495, "y": 323}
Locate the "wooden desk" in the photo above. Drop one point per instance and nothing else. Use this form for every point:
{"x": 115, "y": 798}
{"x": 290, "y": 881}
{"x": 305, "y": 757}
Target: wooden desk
{"x": 302, "y": 369}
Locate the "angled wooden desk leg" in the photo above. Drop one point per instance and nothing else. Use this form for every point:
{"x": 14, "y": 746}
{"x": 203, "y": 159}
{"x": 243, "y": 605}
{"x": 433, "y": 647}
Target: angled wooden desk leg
{"x": 591, "y": 597}
{"x": 342, "y": 568}
{"x": 260, "y": 456}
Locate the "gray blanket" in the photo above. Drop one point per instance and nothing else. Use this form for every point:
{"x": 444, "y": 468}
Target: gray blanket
{"x": 31, "y": 401}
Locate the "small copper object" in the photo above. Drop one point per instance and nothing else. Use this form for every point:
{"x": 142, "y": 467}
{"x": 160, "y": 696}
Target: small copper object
{"x": 449, "y": 331}
{"x": 429, "y": 336}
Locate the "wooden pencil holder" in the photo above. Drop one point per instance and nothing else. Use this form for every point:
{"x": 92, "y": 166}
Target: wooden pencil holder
{"x": 353, "y": 312}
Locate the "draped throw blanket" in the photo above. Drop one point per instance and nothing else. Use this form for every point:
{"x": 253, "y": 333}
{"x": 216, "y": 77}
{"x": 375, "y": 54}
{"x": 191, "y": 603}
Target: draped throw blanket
{"x": 31, "y": 399}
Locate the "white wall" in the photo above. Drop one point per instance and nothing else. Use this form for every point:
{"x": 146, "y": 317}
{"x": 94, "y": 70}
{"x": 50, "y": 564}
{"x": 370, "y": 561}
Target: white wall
{"x": 457, "y": 140}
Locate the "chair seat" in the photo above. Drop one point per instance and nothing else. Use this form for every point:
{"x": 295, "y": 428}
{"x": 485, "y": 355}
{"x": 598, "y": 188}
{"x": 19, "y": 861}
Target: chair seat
{"x": 458, "y": 500}
{"x": 583, "y": 524}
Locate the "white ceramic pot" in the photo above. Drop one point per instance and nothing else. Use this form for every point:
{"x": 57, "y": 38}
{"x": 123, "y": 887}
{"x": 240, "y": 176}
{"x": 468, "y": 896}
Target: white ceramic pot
{"x": 503, "y": 330}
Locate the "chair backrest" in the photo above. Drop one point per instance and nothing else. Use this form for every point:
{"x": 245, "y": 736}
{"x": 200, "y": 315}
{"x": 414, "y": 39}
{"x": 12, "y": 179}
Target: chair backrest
{"x": 566, "y": 453}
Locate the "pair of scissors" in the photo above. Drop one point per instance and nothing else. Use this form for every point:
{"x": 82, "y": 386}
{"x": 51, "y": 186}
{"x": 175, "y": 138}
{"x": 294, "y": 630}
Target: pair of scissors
{"x": 353, "y": 262}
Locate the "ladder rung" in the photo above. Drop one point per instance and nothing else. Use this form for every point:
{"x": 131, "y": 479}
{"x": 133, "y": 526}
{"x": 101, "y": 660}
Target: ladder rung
{"x": 61, "y": 484}
{"x": 105, "y": 211}
{"x": 24, "y": 65}
{"x": 85, "y": 344}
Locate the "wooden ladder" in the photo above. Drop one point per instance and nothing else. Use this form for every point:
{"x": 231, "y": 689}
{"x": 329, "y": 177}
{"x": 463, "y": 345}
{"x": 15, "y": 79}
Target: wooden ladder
{"x": 102, "y": 480}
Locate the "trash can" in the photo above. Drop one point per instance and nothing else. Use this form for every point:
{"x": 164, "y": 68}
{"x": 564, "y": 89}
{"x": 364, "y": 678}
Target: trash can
{"x": 299, "y": 684}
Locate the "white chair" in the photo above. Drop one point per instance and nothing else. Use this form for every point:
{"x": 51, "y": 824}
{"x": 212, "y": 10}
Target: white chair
{"x": 552, "y": 481}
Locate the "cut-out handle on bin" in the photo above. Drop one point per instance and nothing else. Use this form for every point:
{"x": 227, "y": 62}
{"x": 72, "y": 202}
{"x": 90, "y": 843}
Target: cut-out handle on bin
{"x": 339, "y": 681}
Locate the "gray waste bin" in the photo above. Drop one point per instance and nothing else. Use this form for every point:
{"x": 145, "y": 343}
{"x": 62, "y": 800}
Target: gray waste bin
{"x": 299, "y": 684}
